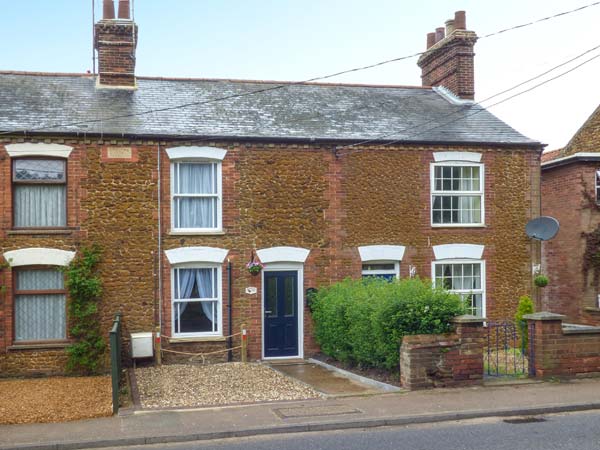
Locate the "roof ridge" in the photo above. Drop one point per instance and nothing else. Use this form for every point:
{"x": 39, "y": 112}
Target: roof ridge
{"x": 283, "y": 82}
{"x": 230, "y": 80}
{"x": 45, "y": 74}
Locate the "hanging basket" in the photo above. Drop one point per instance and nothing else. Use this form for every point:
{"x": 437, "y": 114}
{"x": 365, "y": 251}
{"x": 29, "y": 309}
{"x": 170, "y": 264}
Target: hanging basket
{"x": 254, "y": 268}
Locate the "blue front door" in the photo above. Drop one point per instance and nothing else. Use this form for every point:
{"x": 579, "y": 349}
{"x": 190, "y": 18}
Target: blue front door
{"x": 281, "y": 313}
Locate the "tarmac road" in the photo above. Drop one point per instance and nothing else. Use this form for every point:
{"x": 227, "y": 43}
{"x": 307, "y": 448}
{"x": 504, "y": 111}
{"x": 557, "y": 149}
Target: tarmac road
{"x": 573, "y": 431}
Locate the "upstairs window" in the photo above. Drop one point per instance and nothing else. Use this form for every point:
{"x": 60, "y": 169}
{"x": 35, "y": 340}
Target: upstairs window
{"x": 598, "y": 187}
{"x": 457, "y": 194}
{"x": 39, "y": 193}
{"x": 40, "y": 305}
{"x": 196, "y": 196}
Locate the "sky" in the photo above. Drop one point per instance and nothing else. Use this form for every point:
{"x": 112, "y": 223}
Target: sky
{"x": 297, "y": 40}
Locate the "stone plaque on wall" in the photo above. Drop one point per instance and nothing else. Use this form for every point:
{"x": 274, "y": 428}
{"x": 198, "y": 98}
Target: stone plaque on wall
{"x": 119, "y": 153}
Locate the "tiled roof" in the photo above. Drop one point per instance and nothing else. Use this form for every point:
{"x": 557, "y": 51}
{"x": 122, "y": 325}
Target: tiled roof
{"x": 587, "y": 138}
{"x": 552, "y": 154}
{"x": 67, "y": 103}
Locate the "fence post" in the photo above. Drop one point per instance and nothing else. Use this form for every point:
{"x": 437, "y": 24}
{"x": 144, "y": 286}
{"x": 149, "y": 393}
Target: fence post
{"x": 244, "y": 344}
{"x": 115, "y": 360}
{"x": 158, "y": 346}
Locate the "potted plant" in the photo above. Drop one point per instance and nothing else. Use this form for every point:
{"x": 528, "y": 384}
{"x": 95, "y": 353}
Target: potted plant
{"x": 254, "y": 267}
{"x": 540, "y": 280}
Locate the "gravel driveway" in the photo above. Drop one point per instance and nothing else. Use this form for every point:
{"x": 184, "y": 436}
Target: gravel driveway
{"x": 181, "y": 385}
{"x": 55, "y": 399}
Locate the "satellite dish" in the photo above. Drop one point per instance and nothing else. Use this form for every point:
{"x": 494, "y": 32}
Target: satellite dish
{"x": 543, "y": 228}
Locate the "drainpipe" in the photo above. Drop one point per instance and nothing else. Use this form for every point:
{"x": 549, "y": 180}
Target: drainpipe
{"x": 229, "y": 311}
{"x": 159, "y": 239}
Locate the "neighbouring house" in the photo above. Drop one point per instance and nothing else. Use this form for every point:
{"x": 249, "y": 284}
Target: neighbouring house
{"x": 571, "y": 194}
{"x": 317, "y": 181}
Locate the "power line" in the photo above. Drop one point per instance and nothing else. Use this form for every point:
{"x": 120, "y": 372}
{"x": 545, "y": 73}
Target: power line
{"x": 466, "y": 115}
{"x": 281, "y": 86}
{"x": 383, "y": 136}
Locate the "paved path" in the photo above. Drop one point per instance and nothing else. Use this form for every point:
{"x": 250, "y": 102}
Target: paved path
{"x": 328, "y": 414}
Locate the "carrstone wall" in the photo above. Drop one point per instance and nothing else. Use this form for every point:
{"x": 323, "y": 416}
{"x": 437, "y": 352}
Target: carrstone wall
{"x": 275, "y": 195}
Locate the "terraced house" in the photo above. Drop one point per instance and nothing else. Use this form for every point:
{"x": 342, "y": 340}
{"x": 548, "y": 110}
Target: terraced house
{"x": 318, "y": 182}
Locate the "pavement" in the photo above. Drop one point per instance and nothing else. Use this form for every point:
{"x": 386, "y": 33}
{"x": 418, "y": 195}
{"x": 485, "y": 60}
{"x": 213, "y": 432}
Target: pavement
{"x": 138, "y": 427}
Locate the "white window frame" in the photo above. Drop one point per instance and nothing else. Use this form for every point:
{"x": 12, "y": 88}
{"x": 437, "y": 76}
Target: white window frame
{"x": 219, "y": 299}
{"x": 373, "y": 273}
{"x": 480, "y": 193}
{"x": 218, "y": 196}
{"x": 597, "y": 185}
{"x": 481, "y": 262}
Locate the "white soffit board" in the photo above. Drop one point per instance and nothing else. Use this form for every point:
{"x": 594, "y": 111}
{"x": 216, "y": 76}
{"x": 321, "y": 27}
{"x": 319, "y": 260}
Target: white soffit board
{"x": 457, "y": 156}
{"x": 38, "y": 257}
{"x": 458, "y": 251}
{"x": 282, "y": 254}
{"x": 39, "y": 149}
{"x": 381, "y": 252}
{"x": 196, "y": 153}
{"x": 183, "y": 255}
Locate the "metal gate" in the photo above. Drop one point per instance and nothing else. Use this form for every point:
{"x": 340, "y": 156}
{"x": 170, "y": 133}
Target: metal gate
{"x": 506, "y": 354}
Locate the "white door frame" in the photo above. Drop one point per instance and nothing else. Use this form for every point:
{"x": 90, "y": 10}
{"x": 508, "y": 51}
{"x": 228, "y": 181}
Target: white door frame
{"x": 290, "y": 267}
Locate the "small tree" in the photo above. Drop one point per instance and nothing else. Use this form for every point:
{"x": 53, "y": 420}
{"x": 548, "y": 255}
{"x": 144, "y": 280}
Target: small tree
{"x": 85, "y": 289}
{"x": 525, "y": 307}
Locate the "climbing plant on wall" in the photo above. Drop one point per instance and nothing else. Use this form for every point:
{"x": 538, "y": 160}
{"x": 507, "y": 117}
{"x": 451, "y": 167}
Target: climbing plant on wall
{"x": 84, "y": 285}
{"x": 591, "y": 255}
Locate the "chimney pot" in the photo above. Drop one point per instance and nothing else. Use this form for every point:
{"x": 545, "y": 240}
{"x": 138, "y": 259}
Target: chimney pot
{"x": 124, "y": 9}
{"x": 449, "y": 27}
{"x": 108, "y": 10}
{"x": 439, "y": 34}
{"x": 430, "y": 39}
{"x": 460, "y": 20}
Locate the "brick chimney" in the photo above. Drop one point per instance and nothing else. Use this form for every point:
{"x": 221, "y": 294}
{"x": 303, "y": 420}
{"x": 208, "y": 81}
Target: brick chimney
{"x": 448, "y": 61}
{"x": 115, "y": 40}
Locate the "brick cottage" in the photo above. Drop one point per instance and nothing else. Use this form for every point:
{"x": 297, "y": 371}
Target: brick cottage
{"x": 317, "y": 181}
{"x": 571, "y": 193}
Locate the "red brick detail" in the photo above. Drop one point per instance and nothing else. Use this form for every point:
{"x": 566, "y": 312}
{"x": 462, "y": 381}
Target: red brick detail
{"x": 564, "y": 354}
{"x": 450, "y": 63}
{"x": 115, "y": 41}
{"x": 568, "y": 194}
{"x": 443, "y": 360}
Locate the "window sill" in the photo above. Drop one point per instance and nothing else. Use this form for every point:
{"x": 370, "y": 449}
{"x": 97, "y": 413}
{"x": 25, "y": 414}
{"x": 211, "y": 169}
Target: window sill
{"x": 458, "y": 225}
{"x": 40, "y": 346}
{"x": 41, "y": 232}
{"x": 183, "y": 340}
{"x": 197, "y": 233}
{"x": 592, "y": 309}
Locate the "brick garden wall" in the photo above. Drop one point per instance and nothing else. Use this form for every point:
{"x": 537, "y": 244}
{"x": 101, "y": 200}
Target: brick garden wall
{"x": 563, "y": 352}
{"x": 444, "y": 360}
{"x": 276, "y": 195}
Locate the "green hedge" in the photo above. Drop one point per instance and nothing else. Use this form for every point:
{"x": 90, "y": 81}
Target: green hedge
{"x": 362, "y": 321}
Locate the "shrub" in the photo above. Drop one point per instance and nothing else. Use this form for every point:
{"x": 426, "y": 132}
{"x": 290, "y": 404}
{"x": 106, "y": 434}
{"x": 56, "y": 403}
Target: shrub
{"x": 363, "y": 321}
{"x": 525, "y": 307}
{"x": 541, "y": 281}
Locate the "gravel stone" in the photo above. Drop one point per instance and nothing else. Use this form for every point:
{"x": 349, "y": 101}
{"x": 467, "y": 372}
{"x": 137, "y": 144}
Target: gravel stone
{"x": 186, "y": 385}
{"x": 56, "y": 399}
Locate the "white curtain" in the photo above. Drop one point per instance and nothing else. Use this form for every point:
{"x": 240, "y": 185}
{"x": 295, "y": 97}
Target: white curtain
{"x": 204, "y": 281}
{"x": 196, "y": 212}
{"x": 40, "y": 317}
{"x": 40, "y": 205}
